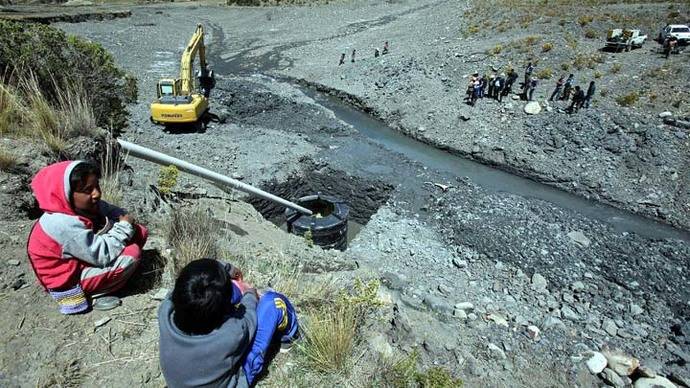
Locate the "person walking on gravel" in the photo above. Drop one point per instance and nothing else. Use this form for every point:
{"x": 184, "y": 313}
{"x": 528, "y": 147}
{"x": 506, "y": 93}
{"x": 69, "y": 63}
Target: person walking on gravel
{"x": 578, "y": 98}
{"x": 352, "y": 59}
{"x": 528, "y": 76}
{"x": 559, "y": 86}
{"x": 342, "y": 59}
{"x": 385, "y": 48}
{"x": 567, "y": 87}
{"x": 510, "y": 81}
{"x": 499, "y": 83}
{"x": 590, "y": 93}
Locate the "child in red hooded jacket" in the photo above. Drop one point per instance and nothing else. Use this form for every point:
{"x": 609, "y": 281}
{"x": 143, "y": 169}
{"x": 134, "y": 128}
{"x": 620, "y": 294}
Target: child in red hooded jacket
{"x": 81, "y": 247}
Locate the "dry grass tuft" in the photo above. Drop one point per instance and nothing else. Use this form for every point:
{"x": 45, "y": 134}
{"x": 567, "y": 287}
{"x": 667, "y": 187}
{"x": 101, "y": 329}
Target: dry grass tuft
{"x": 192, "y": 233}
{"x": 111, "y": 190}
{"x": 329, "y": 337}
{"x": 545, "y": 73}
{"x": 584, "y": 20}
{"x": 615, "y": 68}
{"x": 628, "y": 99}
{"x": 591, "y": 34}
{"x": 546, "y": 47}
{"x": 7, "y": 160}
{"x": 26, "y": 111}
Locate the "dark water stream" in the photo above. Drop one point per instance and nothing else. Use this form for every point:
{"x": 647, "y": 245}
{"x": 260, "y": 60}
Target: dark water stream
{"x": 491, "y": 178}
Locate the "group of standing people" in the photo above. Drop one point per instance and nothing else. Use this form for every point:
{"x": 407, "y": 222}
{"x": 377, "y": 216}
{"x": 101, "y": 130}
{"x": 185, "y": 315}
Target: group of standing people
{"x": 497, "y": 86}
{"x": 580, "y": 99}
{"x": 377, "y": 53}
{"x": 494, "y": 86}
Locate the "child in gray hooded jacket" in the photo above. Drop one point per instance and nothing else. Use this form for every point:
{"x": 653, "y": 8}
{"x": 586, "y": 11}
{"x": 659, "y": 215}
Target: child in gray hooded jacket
{"x": 203, "y": 337}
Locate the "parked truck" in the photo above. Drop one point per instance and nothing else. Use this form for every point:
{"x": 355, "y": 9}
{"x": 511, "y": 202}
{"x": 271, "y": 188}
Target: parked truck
{"x": 619, "y": 39}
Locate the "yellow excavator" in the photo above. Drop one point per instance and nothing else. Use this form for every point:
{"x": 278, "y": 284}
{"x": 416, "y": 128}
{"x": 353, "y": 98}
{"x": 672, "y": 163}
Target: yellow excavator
{"x": 178, "y": 102}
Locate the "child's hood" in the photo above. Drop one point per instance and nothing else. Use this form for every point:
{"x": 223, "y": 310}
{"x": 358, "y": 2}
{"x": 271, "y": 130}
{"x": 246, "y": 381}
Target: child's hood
{"x": 51, "y": 187}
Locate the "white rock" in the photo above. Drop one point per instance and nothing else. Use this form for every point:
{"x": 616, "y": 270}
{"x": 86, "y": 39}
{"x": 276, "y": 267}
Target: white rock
{"x": 646, "y": 371}
{"x": 459, "y": 263}
{"x": 578, "y": 286}
{"x": 579, "y": 238}
{"x": 102, "y": 321}
{"x": 380, "y": 345}
{"x": 653, "y": 382}
{"x": 532, "y": 108}
{"x": 467, "y": 306}
{"x": 460, "y": 314}
{"x": 13, "y": 262}
{"x": 569, "y": 314}
{"x": 498, "y": 319}
{"x": 160, "y": 294}
{"x": 496, "y": 352}
{"x": 622, "y": 364}
{"x": 533, "y": 332}
{"x": 538, "y": 282}
{"x": 635, "y": 309}
{"x": 611, "y": 378}
{"x": 665, "y": 114}
{"x": 610, "y": 327}
{"x": 596, "y": 363}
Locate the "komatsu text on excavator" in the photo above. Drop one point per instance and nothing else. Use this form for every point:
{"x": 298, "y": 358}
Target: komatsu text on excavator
{"x": 178, "y": 102}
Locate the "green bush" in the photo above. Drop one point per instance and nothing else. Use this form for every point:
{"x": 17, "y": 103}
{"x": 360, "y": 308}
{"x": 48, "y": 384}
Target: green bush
{"x": 590, "y": 34}
{"x": 545, "y": 73}
{"x": 58, "y": 60}
{"x": 167, "y": 179}
{"x": 628, "y": 99}
{"x": 584, "y": 20}
{"x": 496, "y": 49}
{"x": 546, "y": 47}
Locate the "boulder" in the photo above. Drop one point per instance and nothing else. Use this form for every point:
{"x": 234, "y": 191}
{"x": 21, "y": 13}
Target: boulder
{"x": 596, "y": 363}
{"x": 611, "y": 378}
{"x": 622, "y": 364}
{"x": 538, "y": 282}
{"x": 653, "y": 382}
{"x": 532, "y": 108}
{"x": 579, "y": 238}
{"x": 663, "y": 115}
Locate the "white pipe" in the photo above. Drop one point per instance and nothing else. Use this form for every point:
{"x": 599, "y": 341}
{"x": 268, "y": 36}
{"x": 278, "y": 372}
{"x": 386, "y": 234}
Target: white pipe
{"x": 166, "y": 160}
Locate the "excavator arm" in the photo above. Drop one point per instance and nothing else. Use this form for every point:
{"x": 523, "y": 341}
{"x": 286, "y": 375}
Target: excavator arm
{"x": 195, "y": 45}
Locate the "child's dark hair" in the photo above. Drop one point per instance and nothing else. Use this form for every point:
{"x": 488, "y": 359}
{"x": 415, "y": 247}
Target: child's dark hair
{"x": 80, "y": 174}
{"x": 202, "y": 296}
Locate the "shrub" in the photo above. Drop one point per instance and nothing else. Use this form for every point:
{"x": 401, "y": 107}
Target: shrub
{"x": 532, "y": 39}
{"x": 565, "y": 66}
{"x": 584, "y": 60}
{"x": 496, "y": 49}
{"x": 472, "y": 29}
{"x": 192, "y": 232}
{"x": 329, "y": 338}
{"x": 437, "y": 377}
{"x": 7, "y": 160}
{"x": 628, "y": 99}
{"x": 167, "y": 179}
{"x": 598, "y": 74}
{"x": 330, "y": 331}
{"x": 402, "y": 371}
{"x": 673, "y": 14}
{"x": 545, "y": 73}
{"x": 571, "y": 40}
{"x": 131, "y": 90}
{"x": 546, "y": 47}
{"x": 590, "y": 34}
{"x": 584, "y": 20}
{"x": 56, "y": 60}
{"x": 615, "y": 68}
{"x": 604, "y": 92}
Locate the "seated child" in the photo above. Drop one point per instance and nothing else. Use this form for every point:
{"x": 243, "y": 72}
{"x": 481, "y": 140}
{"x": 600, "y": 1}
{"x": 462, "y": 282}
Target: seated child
{"x": 81, "y": 246}
{"x": 276, "y": 320}
{"x": 204, "y": 336}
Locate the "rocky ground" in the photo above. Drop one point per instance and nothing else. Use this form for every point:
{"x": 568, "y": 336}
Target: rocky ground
{"x": 504, "y": 290}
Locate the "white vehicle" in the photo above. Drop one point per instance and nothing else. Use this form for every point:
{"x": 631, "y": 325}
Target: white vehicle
{"x": 679, "y": 31}
{"x": 619, "y": 39}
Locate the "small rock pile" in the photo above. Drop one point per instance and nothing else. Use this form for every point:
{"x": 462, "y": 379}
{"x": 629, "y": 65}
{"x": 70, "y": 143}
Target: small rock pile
{"x": 619, "y": 370}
